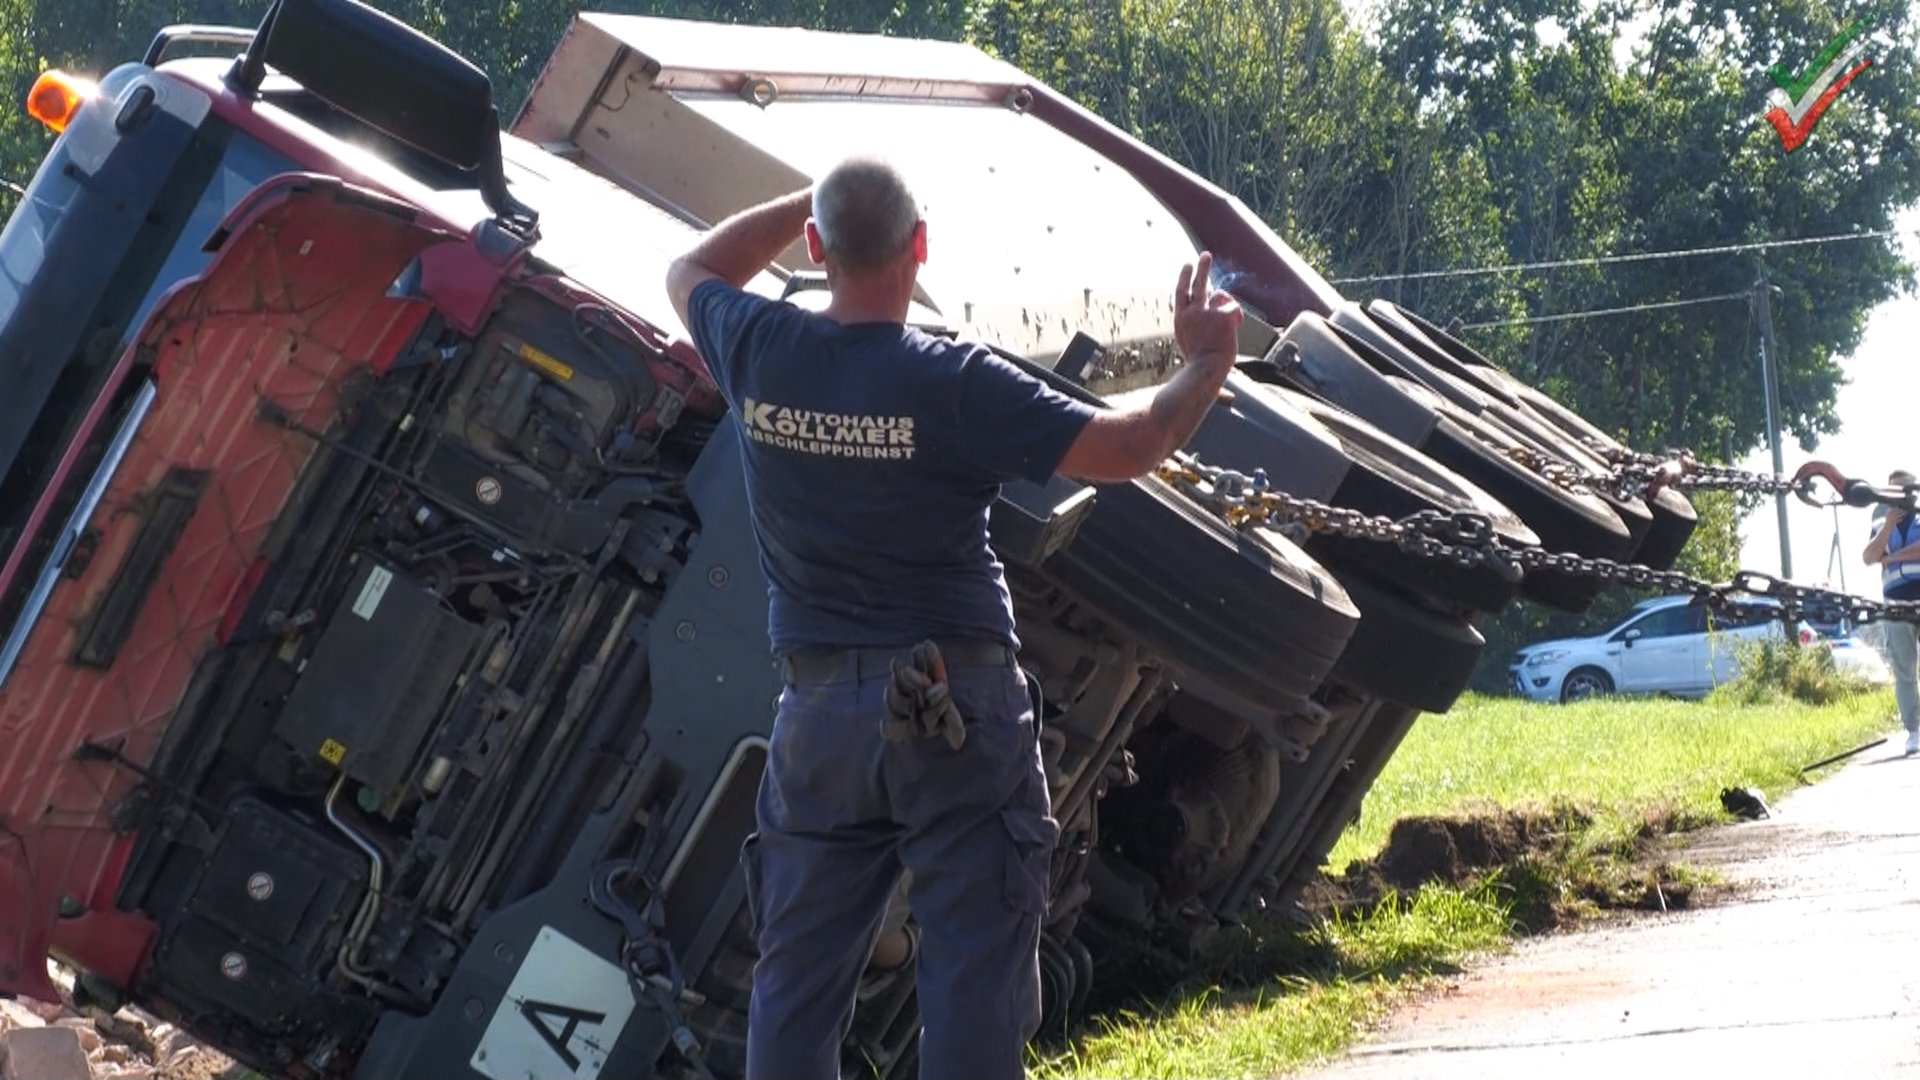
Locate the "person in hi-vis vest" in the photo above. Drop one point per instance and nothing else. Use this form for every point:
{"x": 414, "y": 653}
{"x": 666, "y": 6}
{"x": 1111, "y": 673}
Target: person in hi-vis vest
{"x": 1895, "y": 549}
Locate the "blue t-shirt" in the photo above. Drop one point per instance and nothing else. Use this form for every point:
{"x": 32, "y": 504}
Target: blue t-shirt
{"x": 873, "y": 452}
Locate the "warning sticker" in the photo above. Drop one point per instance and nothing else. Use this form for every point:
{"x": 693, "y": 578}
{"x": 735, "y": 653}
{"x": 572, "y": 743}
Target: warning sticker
{"x": 332, "y": 752}
{"x": 564, "y": 1010}
{"x": 546, "y": 363}
{"x": 372, "y": 592}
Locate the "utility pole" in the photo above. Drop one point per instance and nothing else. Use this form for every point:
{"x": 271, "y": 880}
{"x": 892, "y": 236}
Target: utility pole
{"x": 1770, "y": 386}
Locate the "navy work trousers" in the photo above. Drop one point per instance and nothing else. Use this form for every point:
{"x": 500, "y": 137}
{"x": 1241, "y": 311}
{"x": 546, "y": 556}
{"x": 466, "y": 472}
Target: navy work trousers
{"x": 841, "y": 813}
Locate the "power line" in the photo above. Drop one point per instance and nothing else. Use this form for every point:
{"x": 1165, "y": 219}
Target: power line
{"x": 1564, "y": 316}
{"x": 1644, "y": 256}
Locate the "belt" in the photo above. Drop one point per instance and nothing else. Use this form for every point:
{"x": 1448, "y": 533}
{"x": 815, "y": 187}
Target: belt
{"x": 852, "y": 665}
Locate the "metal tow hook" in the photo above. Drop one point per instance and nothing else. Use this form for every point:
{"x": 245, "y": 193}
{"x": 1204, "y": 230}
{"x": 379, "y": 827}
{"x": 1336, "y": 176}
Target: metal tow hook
{"x": 653, "y": 971}
{"x": 1664, "y": 475}
{"x": 1848, "y": 491}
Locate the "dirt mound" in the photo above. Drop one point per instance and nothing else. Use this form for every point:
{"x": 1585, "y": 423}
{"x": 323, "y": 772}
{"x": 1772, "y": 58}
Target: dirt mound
{"x": 1453, "y": 850}
{"x": 1528, "y": 856}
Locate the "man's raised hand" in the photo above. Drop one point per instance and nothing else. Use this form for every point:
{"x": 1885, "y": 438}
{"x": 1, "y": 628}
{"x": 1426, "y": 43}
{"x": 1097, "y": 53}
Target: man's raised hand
{"x": 1206, "y": 320}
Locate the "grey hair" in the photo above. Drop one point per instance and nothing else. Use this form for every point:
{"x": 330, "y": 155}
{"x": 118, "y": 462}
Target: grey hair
{"x": 865, "y": 213}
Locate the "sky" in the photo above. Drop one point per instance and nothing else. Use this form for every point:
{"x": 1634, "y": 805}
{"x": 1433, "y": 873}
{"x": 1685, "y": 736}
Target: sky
{"x": 1876, "y": 408}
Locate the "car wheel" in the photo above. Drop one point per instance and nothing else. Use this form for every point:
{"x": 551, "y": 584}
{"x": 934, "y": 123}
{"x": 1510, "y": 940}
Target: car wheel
{"x": 1585, "y": 682}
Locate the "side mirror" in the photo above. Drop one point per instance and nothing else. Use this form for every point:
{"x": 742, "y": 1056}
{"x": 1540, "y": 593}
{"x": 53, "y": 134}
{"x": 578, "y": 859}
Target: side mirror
{"x": 392, "y": 77}
{"x": 1631, "y": 636}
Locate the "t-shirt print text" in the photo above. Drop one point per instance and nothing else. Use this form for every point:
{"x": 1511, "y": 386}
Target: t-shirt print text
{"x": 845, "y": 435}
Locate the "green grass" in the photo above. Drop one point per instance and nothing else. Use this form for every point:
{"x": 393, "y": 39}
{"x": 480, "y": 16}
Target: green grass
{"x": 1270, "y": 999}
{"x": 1355, "y": 967}
{"x": 1629, "y": 763}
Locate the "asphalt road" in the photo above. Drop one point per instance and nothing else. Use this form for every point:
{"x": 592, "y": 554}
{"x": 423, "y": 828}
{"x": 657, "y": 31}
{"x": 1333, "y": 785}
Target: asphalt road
{"x": 1808, "y": 967}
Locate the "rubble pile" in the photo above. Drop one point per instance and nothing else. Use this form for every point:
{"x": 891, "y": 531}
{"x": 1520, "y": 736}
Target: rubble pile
{"x": 40, "y": 1041}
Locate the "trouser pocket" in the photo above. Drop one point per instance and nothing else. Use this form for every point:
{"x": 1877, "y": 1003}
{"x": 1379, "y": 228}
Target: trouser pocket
{"x": 1031, "y": 837}
{"x": 750, "y": 873}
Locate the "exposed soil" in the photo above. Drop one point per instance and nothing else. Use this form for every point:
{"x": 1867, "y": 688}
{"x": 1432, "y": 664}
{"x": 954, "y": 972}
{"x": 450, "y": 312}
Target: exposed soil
{"x": 1529, "y": 854}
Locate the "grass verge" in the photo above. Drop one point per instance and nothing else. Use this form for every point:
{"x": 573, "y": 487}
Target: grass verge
{"x": 1606, "y": 776}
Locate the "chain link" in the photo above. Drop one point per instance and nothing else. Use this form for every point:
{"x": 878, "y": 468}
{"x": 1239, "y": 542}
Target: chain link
{"x": 1468, "y": 540}
{"x": 1636, "y": 472}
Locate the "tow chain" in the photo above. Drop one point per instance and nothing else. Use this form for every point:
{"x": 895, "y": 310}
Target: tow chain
{"x": 1638, "y": 471}
{"x": 1468, "y": 540}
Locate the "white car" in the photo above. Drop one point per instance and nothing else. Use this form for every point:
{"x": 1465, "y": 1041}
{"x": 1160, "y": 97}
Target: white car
{"x": 1664, "y": 646}
{"x": 1852, "y": 655}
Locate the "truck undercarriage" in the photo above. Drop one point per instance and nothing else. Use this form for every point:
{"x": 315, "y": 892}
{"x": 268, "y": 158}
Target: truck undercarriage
{"x": 386, "y": 684}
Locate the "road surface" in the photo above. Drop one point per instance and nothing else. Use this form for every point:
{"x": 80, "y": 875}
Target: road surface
{"x": 1811, "y": 968}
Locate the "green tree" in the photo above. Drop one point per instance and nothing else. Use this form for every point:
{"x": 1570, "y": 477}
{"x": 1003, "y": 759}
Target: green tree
{"x": 22, "y": 141}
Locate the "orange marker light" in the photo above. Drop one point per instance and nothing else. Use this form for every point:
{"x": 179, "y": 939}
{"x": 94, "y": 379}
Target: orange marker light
{"x": 56, "y": 96}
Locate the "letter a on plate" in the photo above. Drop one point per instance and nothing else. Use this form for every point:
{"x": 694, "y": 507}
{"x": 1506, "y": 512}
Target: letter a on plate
{"x": 563, "y": 1011}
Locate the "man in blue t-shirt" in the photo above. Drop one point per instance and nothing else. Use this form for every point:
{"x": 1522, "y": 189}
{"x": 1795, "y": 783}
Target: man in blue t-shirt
{"x": 873, "y": 453}
{"x": 1895, "y": 548}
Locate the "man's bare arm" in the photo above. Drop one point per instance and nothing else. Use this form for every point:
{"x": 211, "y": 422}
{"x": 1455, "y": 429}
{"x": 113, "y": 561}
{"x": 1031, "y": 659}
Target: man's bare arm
{"x": 1876, "y": 551}
{"x": 1122, "y": 444}
{"x": 739, "y": 247}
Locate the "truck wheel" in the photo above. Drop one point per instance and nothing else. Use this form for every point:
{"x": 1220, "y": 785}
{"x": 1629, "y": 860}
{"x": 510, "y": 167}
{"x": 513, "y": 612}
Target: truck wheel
{"x": 1471, "y": 401}
{"x": 1404, "y": 652}
{"x": 1393, "y": 479}
{"x": 1565, "y": 520}
{"x": 1585, "y": 682}
{"x": 1353, "y": 369}
{"x": 1244, "y": 609}
{"x": 1673, "y": 517}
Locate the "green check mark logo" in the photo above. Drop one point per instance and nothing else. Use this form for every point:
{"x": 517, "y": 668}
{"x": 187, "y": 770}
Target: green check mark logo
{"x": 1812, "y": 89}
{"x": 1796, "y": 83}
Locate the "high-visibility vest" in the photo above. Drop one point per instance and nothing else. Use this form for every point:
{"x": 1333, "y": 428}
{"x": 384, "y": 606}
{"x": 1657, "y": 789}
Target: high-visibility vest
{"x": 1895, "y": 574}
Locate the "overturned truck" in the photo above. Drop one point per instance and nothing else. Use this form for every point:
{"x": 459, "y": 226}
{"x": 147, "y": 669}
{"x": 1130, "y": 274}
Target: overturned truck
{"x": 383, "y": 673}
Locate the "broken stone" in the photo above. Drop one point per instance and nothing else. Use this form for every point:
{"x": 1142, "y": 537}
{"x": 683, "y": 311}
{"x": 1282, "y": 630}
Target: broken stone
{"x": 128, "y": 1027}
{"x": 16, "y": 1014}
{"x": 81, "y": 1026}
{"x": 43, "y": 1053}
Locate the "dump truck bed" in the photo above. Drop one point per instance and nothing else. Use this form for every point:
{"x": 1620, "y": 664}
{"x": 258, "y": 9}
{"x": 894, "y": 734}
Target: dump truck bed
{"x": 1034, "y": 236}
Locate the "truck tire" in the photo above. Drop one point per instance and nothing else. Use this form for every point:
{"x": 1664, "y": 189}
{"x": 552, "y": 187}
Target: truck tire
{"x": 1354, "y": 364}
{"x": 1564, "y": 520}
{"x": 1404, "y": 652}
{"x": 1673, "y": 517}
{"x": 1480, "y": 404}
{"x": 1393, "y": 479}
{"x": 1244, "y": 609}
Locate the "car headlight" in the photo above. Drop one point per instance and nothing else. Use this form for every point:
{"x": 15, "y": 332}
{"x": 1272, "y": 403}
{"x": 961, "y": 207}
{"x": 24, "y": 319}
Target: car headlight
{"x": 1541, "y": 659}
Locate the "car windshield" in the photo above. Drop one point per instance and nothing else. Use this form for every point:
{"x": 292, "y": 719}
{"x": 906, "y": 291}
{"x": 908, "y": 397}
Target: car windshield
{"x": 1671, "y": 622}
